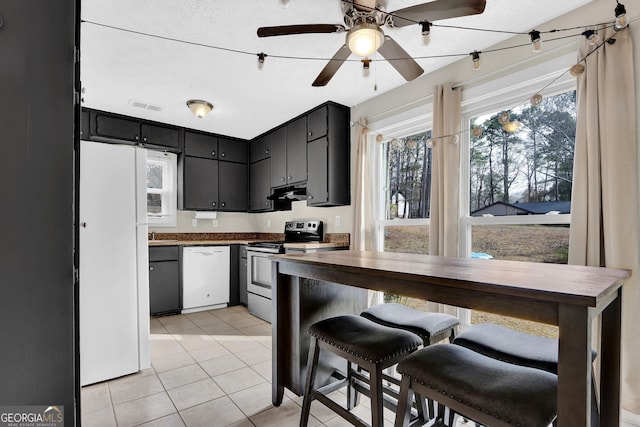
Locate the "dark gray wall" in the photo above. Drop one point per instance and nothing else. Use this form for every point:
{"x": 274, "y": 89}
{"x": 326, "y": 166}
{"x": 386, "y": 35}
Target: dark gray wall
{"x": 37, "y": 210}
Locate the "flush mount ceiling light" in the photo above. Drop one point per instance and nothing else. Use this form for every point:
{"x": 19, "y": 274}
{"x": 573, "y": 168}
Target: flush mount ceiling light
{"x": 199, "y": 107}
{"x": 364, "y": 39}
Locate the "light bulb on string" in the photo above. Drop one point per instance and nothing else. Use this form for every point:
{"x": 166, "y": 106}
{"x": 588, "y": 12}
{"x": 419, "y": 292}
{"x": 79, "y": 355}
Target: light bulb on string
{"x": 379, "y": 138}
{"x": 261, "y": 57}
{"x": 592, "y": 37}
{"x": 476, "y": 131}
{"x": 536, "y": 99}
{"x": 576, "y": 70}
{"x": 475, "y": 56}
{"x": 621, "y": 17}
{"x": 535, "y": 40}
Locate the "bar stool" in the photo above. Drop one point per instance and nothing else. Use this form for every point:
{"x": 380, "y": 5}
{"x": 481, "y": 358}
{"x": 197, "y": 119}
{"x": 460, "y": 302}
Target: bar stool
{"x": 484, "y": 389}
{"x": 360, "y": 341}
{"x": 520, "y": 348}
{"x": 431, "y": 327}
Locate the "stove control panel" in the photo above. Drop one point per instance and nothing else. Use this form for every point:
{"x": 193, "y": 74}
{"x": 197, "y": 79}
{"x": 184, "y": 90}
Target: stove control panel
{"x": 301, "y": 231}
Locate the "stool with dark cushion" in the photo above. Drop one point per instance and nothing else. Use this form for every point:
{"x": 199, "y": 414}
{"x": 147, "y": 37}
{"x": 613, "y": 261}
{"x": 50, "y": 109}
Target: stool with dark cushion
{"x": 484, "y": 389}
{"x": 520, "y": 348}
{"x": 431, "y": 327}
{"x": 371, "y": 346}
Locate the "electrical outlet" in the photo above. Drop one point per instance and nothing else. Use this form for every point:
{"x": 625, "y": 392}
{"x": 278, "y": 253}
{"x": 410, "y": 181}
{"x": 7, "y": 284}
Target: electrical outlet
{"x": 215, "y": 223}
{"x": 268, "y": 223}
{"x": 194, "y": 222}
{"x": 337, "y": 219}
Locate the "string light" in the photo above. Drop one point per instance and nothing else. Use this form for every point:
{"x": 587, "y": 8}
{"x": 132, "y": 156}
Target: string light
{"x": 576, "y": 70}
{"x": 536, "y": 99}
{"x": 261, "y": 58}
{"x": 426, "y": 28}
{"x": 475, "y": 56}
{"x": 592, "y": 36}
{"x": 621, "y": 17}
{"x": 379, "y": 138}
{"x": 535, "y": 39}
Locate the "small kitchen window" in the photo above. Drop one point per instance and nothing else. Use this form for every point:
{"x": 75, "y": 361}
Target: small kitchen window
{"x": 162, "y": 196}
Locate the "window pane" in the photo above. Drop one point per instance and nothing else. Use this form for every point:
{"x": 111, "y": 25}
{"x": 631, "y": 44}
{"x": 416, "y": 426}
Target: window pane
{"x": 531, "y": 243}
{"x": 154, "y": 204}
{"x": 522, "y": 159}
{"x": 154, "y": 174}
{"x": 407, "y": 238}
{"x": 408, "y": 186}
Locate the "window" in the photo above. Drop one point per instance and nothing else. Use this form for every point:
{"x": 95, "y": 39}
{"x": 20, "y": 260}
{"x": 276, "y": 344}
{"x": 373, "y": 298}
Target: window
{"x": 161, "y": 189}
{"x": 520, "y": 177}
{"x": 407, "y": 193}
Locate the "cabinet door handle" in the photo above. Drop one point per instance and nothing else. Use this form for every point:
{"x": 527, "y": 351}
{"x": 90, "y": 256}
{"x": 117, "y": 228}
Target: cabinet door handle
{"x": 83, "y": 224}
{"x": 289, "y": 177}
{"x": 223, "y": 204}
{"x": 282, "y": 179}
{"x": 223, "y": 154}
{"x": 310, "y": 133}
{"x": 266, "y": 151}
{"x": 213, "y": 204}
{"x": 144, "y": 139}
{"x": 309, "y": 197}
{"x": 266, "y": 203}
{"x": 150, "y": 268}
{"x": 213, "y": 153}
{"x": 136, "y": 137}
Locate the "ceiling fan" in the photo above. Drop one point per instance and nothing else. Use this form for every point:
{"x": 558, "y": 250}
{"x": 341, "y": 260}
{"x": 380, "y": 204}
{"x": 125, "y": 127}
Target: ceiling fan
{"x": 364, "y": 19}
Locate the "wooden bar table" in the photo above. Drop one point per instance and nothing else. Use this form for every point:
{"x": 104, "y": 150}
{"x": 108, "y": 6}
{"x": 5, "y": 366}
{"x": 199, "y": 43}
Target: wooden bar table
{"x": 564, "y": 295}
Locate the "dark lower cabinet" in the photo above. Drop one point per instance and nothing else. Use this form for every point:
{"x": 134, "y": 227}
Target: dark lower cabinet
{"x": 164, "y": 280}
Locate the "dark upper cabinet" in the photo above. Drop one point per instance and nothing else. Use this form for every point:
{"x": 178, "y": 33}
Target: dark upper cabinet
{"x": 109, "y": 127}
{"x": 259, "y": 186}
{"x": 318, "y": 182}
{"x": 297, "y": 151}
{"x": 289, "y": 153}
{"x": 279, "y": 157}
{"x": 232, "y": 150}
{"x": 232, "y": 186}
{"x": 260, "y": 148}
{"x": 209, "y": 180}
{"x": 161, "y": 136}
{"x": 200, "y": 184}
{"x": 317, "y": 123}
{"x": 200, "y": 145}
{"x": 328, "y": 183}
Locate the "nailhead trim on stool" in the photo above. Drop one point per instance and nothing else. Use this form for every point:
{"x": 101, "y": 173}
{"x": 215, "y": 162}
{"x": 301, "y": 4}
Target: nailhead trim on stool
{"x": 431, "y": 327}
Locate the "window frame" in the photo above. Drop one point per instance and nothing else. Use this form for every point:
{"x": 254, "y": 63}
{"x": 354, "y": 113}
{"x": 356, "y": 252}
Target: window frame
{"x": 169, "y": 216}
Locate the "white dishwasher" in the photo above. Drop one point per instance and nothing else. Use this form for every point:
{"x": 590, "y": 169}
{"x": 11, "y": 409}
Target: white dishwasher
{"x": 205, "y": 278}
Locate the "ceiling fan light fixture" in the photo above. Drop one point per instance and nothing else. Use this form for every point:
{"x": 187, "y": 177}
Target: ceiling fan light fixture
{"x": 365, "y": 39}
{"x": 199, "y": 107}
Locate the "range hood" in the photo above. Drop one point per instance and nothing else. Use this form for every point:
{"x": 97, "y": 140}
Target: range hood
{"x": 290, "y": 193}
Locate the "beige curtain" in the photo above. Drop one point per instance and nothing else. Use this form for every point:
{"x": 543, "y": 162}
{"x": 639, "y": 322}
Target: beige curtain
{"x": 604, "y": 206}
{"x": 445, "y": 180}
{"x": 364, "y": 221}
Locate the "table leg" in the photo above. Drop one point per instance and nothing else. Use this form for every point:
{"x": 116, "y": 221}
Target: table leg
{"x": 574, "y": 366}
{"x": 277, "y": 353}
{"x": 610, "y": 363}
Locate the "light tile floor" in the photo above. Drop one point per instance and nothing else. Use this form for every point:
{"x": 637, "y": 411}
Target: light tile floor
{"x": 211, "y": 368}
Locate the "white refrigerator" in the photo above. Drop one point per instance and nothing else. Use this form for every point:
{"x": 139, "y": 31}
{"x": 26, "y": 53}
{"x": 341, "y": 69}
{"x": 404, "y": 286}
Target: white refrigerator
{"x": 113, "y": 273}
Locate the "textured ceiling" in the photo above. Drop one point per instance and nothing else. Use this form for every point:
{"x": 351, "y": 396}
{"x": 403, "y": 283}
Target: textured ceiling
{"x": 121, "y": 62}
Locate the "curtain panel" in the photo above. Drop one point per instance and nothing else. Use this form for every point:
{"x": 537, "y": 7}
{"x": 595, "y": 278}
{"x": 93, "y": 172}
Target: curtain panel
{"x": 605, "y": 202}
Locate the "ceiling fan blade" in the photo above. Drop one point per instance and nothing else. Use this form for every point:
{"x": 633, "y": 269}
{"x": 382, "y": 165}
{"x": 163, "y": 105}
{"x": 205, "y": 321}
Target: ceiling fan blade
{"x": 437, "y": 10}
{"x": 284, "y": 30}
{"x": 332, "y": 66}
{"x": 400, "y": 59}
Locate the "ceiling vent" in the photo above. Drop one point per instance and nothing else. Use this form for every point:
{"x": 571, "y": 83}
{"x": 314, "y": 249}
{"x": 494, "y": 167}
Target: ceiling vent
{"x": 144, "y": 105}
